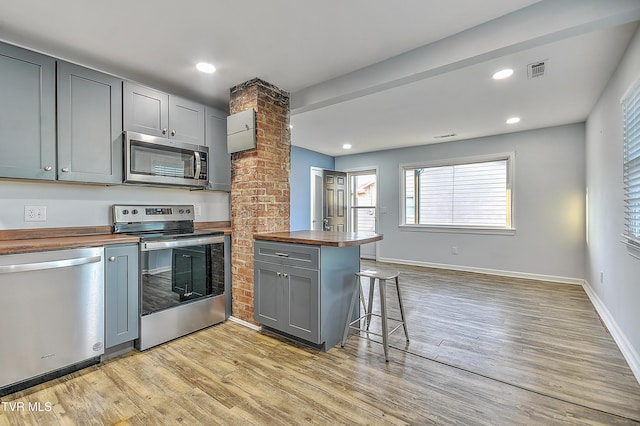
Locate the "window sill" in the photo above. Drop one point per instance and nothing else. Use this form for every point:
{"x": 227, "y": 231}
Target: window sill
{"x": 458, "y": 230}
{"x": 633, "y": 246}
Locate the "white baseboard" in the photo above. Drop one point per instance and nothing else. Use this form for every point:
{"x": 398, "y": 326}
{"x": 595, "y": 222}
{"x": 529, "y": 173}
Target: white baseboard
{"x": 498, "y": 272}
{"x": 245, "y": 323}
{"x": 628, "y": 351}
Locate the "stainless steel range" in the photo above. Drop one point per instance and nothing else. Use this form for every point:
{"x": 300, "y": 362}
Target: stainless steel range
{"x": 182, "y": 271}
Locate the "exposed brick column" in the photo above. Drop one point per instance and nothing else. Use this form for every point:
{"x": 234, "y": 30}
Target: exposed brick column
{"x": 260, "y": 189}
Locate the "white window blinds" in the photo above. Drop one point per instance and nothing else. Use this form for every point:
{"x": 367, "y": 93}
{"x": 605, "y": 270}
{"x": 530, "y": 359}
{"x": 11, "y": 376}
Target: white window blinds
{"x": 474, "y": 194}
{"x": 631, "y": 170}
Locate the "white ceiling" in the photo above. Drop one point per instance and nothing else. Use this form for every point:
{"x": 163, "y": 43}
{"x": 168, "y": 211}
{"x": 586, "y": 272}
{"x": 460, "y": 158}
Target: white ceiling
{"x": 365, "y": 72}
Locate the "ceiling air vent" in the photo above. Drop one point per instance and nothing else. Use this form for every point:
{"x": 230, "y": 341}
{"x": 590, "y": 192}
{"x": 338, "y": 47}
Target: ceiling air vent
{"x": 537, "y": 69}
{"x": 449, "y": 135}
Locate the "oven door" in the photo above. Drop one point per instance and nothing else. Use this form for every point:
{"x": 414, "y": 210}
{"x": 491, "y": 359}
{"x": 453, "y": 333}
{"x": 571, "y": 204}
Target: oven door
{"x": 180, "y": 271}
{"x": 158, "y": 161}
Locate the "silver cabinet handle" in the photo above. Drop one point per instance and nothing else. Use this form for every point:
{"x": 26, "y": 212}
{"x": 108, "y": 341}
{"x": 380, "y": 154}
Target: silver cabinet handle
{"x": 27, "y": 267}
{"x": 112, "y": 259}
{"x": 65, "y": 170}
{"x": 47, "y": 169}
{"x": 282, "y": 254}
{"x": 164, "y": 131}
{"x": 278, "y": 274}
{"x": 285, "y": 275}
{"x": 173, "y": 133}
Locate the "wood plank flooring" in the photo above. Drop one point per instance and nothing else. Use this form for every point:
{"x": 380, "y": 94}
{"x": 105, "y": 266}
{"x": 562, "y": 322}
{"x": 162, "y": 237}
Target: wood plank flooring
{"x": 483, "y": 350}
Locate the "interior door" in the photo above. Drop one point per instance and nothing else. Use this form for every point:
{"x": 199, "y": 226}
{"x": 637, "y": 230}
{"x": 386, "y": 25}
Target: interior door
{"x": 335, "y": 201}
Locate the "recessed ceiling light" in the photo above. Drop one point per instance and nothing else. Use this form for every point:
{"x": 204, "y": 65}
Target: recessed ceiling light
{"x": 513, "y": 120}
{"x": 346, "y": 146}
{"x": 503, "y": 74}
{"x": 205, "y": 67}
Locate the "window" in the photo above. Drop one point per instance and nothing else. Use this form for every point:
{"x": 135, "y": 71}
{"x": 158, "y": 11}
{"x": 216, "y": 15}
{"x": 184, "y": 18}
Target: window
{"x": 464, "y": 193}
{"x": 631, "y": 168}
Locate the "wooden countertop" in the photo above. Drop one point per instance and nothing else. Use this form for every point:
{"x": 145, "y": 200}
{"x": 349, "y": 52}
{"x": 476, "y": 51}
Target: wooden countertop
{"x": 42, "y": 239}
{"x": 60, "y": 243}
{"x": 322, "y": 238}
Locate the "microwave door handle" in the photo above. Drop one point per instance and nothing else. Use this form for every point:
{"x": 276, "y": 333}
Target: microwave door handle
{"x": 198, "y": 165}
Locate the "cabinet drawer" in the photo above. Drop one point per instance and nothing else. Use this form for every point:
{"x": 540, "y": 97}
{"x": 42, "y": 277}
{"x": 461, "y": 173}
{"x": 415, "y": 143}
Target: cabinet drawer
{"x": 299, "y": 255}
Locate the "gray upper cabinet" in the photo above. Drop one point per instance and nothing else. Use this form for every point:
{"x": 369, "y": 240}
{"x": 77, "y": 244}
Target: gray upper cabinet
{"x": 89, "y": 125}
{"x": 153, "y": 112}
{"x": 186, "y": 120}
{"x": 146, "y": 110}
{"x": 219, "y": 158}
{"x": 27, "y": 114}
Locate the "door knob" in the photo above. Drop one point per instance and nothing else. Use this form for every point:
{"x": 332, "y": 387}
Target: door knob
{"x": 112, "y": 259}
{"x": 164, "y": 131}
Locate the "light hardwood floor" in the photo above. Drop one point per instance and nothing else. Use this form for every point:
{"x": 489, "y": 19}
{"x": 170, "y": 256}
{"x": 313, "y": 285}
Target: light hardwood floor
{"x": 483, "y": 350}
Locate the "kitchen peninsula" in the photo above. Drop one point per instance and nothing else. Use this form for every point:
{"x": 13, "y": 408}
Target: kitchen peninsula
{"x": 303, "y": 282}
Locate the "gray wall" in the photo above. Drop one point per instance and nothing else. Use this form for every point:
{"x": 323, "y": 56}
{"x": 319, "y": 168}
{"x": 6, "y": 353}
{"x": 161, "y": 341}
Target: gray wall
{"x": 549, "y": 209}
{"x": 618, "y": 295}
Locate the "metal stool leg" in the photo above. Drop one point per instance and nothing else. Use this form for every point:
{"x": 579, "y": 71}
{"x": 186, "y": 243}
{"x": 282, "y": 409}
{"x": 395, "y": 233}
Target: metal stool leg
{"x": 404, "y": 321}
{"x": 383, "y": 308}
{"x": 372, "y": 284}
{"x": 350, "y": 315}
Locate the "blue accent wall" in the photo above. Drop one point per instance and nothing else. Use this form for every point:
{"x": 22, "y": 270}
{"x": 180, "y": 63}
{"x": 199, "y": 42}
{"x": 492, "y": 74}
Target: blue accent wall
{"x": 301, "y": 162}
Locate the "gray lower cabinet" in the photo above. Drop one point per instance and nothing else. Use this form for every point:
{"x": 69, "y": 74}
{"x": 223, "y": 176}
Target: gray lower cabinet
{"x": 219, "y": 158}
{"x": 287, "y": 299}
{"x": 156, "y": 113}
{"x": 89, "y": 125}
{"x": 27, "y": 114}
{"x": 121, "y": 294}
{"x": 304, "y": 290}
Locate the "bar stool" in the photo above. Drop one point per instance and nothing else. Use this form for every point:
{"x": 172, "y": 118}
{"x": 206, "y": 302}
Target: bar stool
{"x": 381, "y": 277}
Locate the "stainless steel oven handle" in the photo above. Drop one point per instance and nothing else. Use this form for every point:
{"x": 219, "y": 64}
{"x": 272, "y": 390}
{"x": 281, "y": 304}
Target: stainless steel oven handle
{"x": 186, "y": 242}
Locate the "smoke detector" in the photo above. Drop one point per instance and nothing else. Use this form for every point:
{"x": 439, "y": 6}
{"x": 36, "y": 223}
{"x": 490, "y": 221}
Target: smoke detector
{"x": 537, "y": 69}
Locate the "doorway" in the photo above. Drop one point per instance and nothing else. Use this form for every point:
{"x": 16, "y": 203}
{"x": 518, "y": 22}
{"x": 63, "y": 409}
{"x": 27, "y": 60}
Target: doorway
{"x": 363, "y": 201}
{"x": 330, "y": 191}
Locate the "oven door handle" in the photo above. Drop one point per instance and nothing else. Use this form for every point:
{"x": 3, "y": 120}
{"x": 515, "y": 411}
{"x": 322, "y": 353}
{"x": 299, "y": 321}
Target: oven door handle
{"x": 185, "y": 242}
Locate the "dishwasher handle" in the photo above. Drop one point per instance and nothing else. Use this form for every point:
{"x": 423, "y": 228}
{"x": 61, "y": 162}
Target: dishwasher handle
{"x": 54, "y": 264}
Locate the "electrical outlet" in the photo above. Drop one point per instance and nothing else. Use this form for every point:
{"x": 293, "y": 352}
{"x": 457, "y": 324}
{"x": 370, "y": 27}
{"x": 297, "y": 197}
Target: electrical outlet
{"x": 35, "y": 213}
{"x": 454, "y": 250}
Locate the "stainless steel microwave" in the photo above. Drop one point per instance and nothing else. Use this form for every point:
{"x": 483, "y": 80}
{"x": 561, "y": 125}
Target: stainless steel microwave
{"x": 153, "y": 160}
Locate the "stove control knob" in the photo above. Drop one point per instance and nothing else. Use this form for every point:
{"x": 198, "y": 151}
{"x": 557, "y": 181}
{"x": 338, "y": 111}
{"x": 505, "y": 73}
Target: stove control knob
{"x": 188, "y": 211}
{"x": 125, "y": 211}
{"x": 134, "y": 211}
{"x": 181, "y": 211}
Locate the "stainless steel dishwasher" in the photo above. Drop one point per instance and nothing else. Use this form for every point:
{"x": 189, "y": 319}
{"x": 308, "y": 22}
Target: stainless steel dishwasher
{"x": 51, "y": 311}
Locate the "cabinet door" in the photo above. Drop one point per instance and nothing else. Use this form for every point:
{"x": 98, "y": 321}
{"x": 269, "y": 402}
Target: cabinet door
{"x": 27, "y": 114}
{"x": 186, "y": 120}
{"x": 145, "y": 110}
{"x": 302, "y": 301}
{"x": 219, "y": 158}
{"x": 89, "y": 125}
{"x": 267, "y": 294}
{"x": 121, "y": 298}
